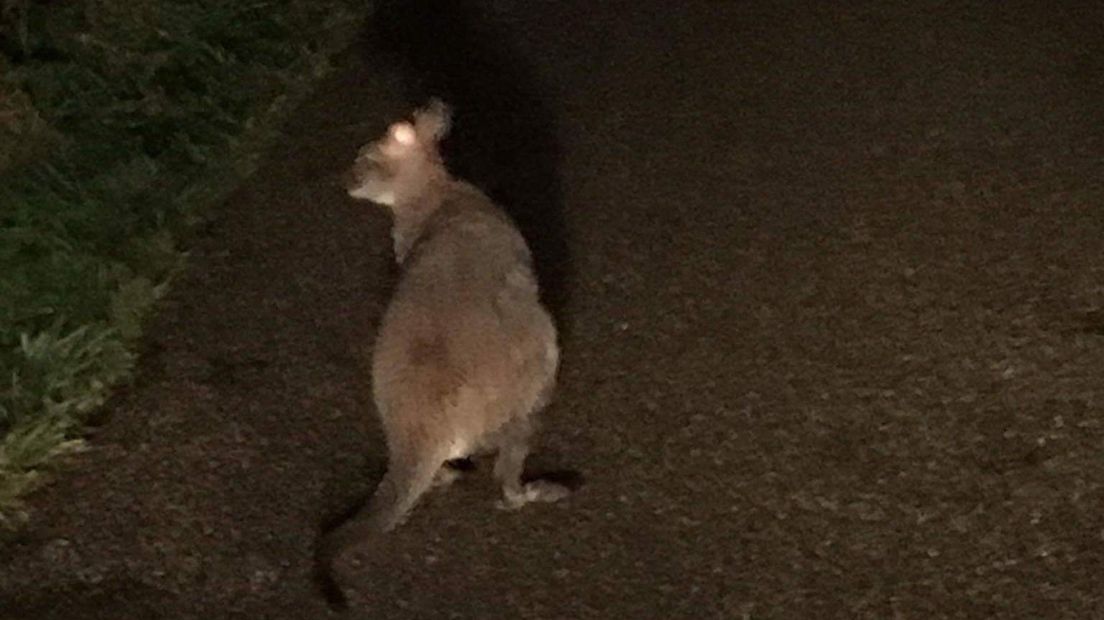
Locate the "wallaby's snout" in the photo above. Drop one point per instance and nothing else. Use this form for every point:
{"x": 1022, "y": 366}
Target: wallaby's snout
{"x": 352, "y": 178}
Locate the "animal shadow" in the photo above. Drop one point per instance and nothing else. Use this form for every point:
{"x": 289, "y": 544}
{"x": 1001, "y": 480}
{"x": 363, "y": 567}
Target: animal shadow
{"x": 504, "y": 138}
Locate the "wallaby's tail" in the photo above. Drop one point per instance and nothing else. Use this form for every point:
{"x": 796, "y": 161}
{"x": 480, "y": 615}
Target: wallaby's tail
{"x": 406, "y": 480}
{"x": 404, "y": 483}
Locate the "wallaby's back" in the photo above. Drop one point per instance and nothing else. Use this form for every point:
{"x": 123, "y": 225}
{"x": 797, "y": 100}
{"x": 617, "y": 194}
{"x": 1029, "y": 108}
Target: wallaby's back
{"x": 465, "y": 345}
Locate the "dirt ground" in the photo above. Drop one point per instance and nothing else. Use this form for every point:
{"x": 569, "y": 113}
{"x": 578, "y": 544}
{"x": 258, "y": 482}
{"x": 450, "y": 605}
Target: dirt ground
{"x": 832, "y": 285}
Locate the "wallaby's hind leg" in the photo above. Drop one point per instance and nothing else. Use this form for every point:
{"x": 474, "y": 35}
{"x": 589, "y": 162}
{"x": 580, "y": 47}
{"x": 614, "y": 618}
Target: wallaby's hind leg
{"x": 513, "y": 447}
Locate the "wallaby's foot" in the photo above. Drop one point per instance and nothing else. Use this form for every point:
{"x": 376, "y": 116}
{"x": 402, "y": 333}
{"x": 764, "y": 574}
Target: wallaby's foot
{"x": 513, "y": 447}
{"x": 534, "y": 491}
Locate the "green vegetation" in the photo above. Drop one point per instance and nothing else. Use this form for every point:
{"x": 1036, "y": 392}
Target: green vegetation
{"x": 121, "y": 121}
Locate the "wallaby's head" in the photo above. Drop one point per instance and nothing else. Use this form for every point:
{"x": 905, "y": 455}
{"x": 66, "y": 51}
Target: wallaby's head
{"x": 404, "y": 165}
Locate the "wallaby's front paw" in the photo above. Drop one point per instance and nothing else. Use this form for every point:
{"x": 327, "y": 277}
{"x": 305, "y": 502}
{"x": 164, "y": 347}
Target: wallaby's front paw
{"x": 534, "y": 491}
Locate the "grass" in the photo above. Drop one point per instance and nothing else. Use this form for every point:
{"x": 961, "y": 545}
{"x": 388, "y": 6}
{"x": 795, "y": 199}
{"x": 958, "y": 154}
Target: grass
{"x": 121, "y": 123}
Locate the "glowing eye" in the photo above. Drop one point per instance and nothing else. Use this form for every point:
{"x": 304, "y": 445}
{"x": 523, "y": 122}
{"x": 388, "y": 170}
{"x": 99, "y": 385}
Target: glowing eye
{"x": 403, "y": 134}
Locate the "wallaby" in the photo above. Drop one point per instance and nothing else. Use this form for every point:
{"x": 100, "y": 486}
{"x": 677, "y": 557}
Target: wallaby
{"x": 465, "y": 354}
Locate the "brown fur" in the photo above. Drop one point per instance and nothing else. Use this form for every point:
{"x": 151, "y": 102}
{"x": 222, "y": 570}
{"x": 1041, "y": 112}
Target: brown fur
{"x": 466, "y": 353}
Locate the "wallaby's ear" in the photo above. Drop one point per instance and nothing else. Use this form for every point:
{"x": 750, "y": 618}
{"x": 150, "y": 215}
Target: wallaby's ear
{"x": 433, "y": 121}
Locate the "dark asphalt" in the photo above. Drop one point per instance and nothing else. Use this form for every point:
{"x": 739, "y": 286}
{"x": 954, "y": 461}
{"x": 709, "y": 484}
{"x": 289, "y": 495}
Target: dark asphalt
{"x": 833, "y": 288}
